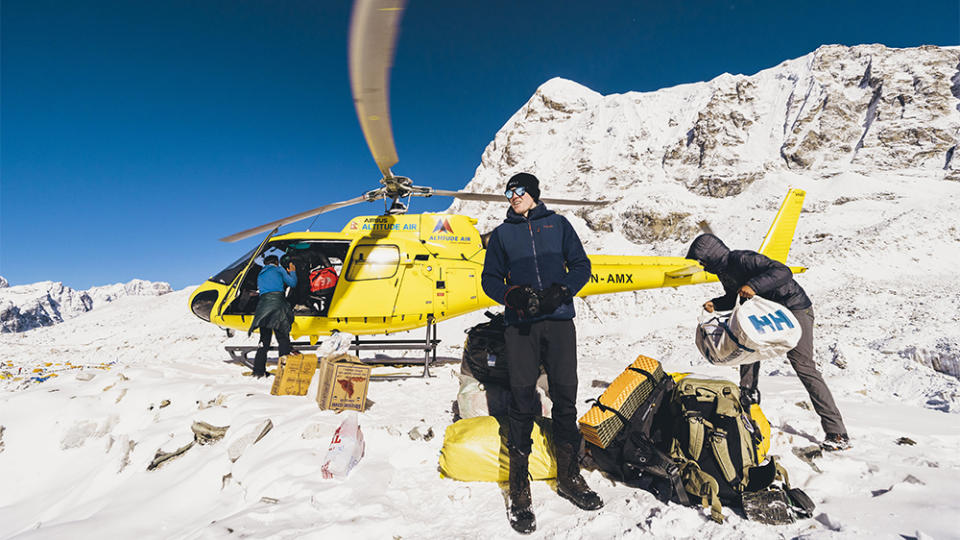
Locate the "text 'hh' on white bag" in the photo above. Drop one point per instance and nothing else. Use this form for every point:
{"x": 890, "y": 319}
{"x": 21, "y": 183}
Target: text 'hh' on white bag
{"x": 755, "y": 330}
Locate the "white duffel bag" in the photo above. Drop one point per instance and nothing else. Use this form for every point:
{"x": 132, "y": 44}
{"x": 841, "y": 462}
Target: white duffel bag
{"x": 755, "y": 330}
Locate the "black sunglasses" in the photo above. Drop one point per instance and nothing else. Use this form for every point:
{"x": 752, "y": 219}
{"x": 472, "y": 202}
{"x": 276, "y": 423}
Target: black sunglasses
{"x": 518, "y": 191}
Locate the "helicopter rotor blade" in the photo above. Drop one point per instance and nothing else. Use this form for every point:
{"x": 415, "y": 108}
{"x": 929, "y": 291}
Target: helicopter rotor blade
{"x": 373, "y": 37}
{"x": 469, "y": 196}
{"x": 296, "y": 217}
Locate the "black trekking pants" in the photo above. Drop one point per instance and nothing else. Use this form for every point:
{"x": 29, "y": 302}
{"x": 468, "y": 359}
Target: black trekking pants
{"x": 553, "y": 344}
{"x": 266, "y": 334}
{"x": 801, "y": 357}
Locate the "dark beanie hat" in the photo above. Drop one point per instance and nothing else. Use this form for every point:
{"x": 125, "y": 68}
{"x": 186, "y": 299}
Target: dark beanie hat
{"x": 529, "y": 183}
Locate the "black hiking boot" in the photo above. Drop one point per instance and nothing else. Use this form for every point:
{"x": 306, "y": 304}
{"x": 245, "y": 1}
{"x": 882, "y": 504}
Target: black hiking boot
{"x": 570, "y": 485}
{"x": 835, "y": 442}
{"x": 749, "y": 396}
{"x": 521, "y": 511}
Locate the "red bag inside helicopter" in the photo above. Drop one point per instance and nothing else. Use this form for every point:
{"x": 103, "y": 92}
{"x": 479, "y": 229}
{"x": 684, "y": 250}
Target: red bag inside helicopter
{"x": 323, "y": 280}
{"x": 316, "y": 264}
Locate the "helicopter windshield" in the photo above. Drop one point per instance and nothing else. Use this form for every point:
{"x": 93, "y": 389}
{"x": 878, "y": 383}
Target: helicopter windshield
{"x": 228, "y": 274}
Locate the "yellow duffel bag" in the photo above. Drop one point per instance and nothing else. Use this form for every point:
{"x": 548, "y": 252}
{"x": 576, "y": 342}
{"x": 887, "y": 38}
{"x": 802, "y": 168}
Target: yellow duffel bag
{"x": 475, "y": 450}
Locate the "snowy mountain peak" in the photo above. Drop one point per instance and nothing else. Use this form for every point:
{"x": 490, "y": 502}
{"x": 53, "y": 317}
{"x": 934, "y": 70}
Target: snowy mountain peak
{"x": 864, "y": 110}
{"x": 45, "y": 303}
{"x": 564, "y": 95}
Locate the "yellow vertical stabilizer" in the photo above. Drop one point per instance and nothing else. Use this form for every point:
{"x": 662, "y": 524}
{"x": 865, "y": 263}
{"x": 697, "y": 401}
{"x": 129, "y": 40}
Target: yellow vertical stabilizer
{"x": 776, "y": 244}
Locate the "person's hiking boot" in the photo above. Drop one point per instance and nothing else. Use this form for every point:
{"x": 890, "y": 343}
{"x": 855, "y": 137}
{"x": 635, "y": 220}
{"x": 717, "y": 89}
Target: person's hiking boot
{"x": 570, "y": 484}
{"x": 835, "y": 442}
{"x": 521, "y": 507}
{"x": 749, "y": 396}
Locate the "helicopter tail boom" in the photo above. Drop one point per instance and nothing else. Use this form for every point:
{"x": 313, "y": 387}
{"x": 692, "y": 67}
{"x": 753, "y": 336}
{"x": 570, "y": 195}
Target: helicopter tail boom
{"x": 612, "y": 273}
{"x": 776, "y": 244}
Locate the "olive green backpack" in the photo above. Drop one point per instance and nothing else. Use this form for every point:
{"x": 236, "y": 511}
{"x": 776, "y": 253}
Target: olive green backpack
{"x": 718, "y": 448}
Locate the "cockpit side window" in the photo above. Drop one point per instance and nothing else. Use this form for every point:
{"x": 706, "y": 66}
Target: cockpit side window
{"x": 377, "y": 261}
{"x": 228, "y": 274}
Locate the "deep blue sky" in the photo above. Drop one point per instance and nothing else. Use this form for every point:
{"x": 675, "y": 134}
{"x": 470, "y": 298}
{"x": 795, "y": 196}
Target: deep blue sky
{"x": 134, "y": 134}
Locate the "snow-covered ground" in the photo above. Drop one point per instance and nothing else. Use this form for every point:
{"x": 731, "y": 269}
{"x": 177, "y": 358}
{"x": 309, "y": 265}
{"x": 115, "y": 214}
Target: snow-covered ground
{"x": 75, "y": 447}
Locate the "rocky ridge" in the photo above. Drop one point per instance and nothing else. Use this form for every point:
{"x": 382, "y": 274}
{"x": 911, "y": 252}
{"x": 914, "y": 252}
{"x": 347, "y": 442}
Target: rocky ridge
{"x": 25, "y": 307}
{"x": 865, "y": 109}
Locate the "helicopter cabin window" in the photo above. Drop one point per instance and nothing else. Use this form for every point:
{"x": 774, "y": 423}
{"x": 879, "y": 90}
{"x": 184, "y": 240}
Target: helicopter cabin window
{"x": 373, "y": 262}
{"x": 318, "y": 264}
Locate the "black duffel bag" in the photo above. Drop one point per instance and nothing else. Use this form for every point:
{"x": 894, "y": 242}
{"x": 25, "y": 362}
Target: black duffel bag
{"x": 484, "y": 352}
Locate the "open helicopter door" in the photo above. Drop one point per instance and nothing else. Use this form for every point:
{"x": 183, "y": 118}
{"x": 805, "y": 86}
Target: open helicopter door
{"x": 234, "y": 290}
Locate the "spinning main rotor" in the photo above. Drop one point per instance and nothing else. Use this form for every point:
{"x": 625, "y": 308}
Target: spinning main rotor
{"x": 373, "y": 37}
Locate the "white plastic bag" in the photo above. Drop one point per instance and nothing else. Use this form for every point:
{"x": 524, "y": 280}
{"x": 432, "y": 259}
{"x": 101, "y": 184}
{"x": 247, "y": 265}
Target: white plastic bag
{"x": 755, "y": 330}
{"x": 337, "y": 343}
{"x": 478, "y": 399}
{"x": 346, "y": 448}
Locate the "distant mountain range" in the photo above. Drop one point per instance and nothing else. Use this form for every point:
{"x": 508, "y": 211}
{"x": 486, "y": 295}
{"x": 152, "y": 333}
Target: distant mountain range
{"x": 25, "y": 307}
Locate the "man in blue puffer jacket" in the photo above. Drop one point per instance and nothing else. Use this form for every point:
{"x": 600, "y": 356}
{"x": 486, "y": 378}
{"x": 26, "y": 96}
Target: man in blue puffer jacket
{"x": 534, "y": 265}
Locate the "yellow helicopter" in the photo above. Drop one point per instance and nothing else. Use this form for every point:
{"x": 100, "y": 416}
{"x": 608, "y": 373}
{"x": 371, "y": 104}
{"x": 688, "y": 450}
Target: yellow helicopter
{"x": 397, "y": 271}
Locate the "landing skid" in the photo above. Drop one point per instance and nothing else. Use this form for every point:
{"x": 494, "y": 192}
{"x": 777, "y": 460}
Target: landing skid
{"x": 243, "y": 354}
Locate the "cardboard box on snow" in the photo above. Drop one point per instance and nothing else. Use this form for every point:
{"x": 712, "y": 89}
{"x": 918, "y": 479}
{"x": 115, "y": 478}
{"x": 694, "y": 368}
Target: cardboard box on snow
{"x": 293, "y": 375}
{"x": 343, "y": 383}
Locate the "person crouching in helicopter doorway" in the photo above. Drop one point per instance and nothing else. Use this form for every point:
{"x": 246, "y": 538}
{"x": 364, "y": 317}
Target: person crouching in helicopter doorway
{"x": 274, "y": 315}
{"x": 534, "y": 265}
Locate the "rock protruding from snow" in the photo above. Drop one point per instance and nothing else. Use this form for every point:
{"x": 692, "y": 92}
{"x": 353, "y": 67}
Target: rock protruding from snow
{"x": 4, "y": 283}
{"x": 874, "y": 108}
{"x": 25, "y": 307}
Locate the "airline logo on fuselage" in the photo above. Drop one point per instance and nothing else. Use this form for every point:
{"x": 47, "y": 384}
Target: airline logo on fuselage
{"x": 443, "y": 232}
{"x": 443, "y": 226}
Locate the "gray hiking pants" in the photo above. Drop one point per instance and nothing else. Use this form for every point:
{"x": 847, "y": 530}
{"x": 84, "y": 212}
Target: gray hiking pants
{"x": 801, "y": 357}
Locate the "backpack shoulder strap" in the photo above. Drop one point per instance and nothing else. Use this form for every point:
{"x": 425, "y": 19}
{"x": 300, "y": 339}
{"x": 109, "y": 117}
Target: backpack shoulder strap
{"x": 721, "y": 451}
{"x": 705, "y": 486}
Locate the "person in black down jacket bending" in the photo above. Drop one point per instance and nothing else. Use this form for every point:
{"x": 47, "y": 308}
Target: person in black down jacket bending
{"x": 748, "y": 273}
{"x": 534, "y": 265}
